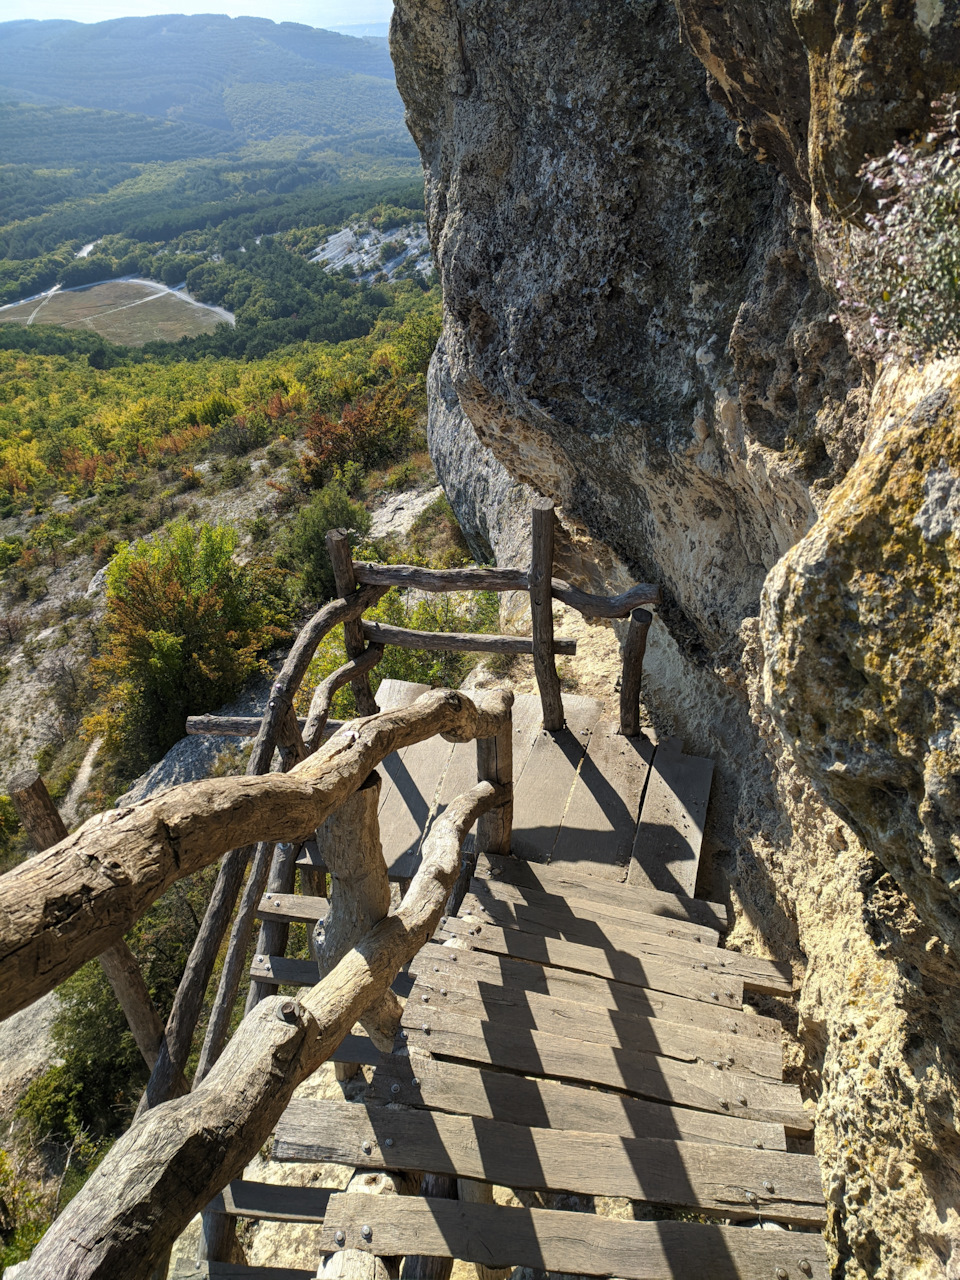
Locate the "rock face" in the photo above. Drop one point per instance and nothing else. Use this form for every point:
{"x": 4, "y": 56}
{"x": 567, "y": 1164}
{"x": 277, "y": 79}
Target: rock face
{"x": 623, "y": 202}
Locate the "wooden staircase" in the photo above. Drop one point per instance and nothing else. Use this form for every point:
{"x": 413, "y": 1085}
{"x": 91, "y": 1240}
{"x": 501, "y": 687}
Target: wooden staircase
{"x": 576, "y": 1027}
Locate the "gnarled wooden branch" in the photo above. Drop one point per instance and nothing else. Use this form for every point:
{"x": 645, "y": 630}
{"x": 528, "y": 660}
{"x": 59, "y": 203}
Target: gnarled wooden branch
{"x": 178, "y": 1156}
{"x": 67, "y": 905}
{"x": 323, "y": 694}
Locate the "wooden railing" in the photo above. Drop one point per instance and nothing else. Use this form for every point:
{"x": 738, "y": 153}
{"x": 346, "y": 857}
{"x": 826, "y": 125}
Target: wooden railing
{"x": 75, "y": 901}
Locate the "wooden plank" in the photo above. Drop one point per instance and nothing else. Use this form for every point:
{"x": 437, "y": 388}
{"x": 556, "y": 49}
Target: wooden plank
{"x": 531, "y": 1052}
{"x": 654, "y": 973}
{"x": 734, "y": 1182}
{"x": 235, "y": 1271}
{"x": 279, "y": 971}
{"x": 584, "y": 909}
{"x": 666, "y": 851}
{"x": 561, "y": 880}
{"x": 456, "y": 641}
{"x": 411, "y": 801}
{"x": 491, "y": 973}
{"x": 544, "y": 782}
{"x": 768, "y": 977}
{"x": 600, "y": 821}
{"x": 272, "y": 1201}
{"x": 529, "y": 1010}
{"x": 398, "y": 793}
{"x": 423, "y": 1081}
{"x": 559, "y": 1241}
{"x": 300, "y": 907}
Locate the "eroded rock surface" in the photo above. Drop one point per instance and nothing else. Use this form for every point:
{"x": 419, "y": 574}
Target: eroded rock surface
{"x": 635, "y": 324}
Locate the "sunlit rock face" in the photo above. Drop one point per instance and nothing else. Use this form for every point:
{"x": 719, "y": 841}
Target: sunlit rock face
{"x": 623, "y": 200}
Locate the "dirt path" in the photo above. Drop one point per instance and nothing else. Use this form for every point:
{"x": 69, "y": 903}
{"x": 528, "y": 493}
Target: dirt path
{"x": 68, "y": 809}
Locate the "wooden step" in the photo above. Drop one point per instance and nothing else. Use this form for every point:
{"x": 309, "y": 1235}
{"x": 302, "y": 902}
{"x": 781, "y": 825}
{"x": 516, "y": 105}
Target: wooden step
{"x": 645, "y": 1075}
{"x": 545, "y": 778}
{"x": 733, "y": 1182}
{"x": 765, "y": 977}
{"x": 666, "y": 850}
{"x": 558, "y": 1241}
{"x": 272, "y": 1201}
{"x": 478, "y": 971}
{"x": 525, "y": 1011}
{"x": 423, "y": 1081}
{"x": 654, "y": 973}
{"x": 600, "y": 820}
{"x": 561, "y": 880}
{"x": 573, "y": 908}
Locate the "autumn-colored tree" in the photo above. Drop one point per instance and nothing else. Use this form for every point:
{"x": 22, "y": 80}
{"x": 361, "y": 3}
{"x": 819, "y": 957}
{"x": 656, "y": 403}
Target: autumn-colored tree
{"x": 185, "y": 628}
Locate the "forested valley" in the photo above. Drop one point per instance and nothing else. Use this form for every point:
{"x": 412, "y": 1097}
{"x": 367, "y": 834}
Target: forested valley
{"x": 164, "y": 491}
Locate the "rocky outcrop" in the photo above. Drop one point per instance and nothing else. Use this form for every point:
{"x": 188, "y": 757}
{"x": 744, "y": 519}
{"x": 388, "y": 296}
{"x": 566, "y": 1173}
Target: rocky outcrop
{"x": 623, "y": 201}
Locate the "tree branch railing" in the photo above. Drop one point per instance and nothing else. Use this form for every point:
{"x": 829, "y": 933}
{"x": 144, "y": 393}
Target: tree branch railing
{"x": 76, "y": 900}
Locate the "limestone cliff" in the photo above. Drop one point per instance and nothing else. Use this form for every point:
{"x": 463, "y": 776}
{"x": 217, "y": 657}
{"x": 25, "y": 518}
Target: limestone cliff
{"x": 623, "y": 201}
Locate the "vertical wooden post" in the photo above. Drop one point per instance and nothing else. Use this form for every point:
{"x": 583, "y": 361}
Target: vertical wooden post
{"x": 435, "y": 1186}
{"x": 359, "y": 895}
{"x": 633, "y": 650}
{"x": 42, "y": 822}
{"x": 273, "y": 936}
{"x": 541, "y": 610}
{"x": 338, "y": 548}
{"x": 495, "y": 764}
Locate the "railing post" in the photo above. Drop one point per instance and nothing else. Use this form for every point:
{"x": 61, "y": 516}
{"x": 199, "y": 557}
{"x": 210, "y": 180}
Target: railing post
{"x": 42, "y": 822}
{"x": 633, "y": 650}
{"x": 338, "y": 548}
{"x": 541, "y": 611}
{"x": 495, "y": 764}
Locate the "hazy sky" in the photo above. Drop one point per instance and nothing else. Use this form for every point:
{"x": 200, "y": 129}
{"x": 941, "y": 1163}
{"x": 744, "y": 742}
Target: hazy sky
{"x": 315, "y": 13}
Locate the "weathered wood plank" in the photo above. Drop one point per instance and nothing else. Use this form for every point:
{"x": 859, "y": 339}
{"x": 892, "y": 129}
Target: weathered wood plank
{"x": 600, "y": 821}
{"x": 645, "y": 1075}
{"x": 292, "y": 907}
{"x": 544, "y": 781}
{"x": 408, "y": 808}
{"x": 562, "y": 880}
{"x": 397, "y": 794}
{"x": 529, "y": 1010}
{"x": 466, "y": 970}
{"x": 655, "y": 973}
{"x": 236, "y": 1271}
{"x": 666, "y": 851}
{"x": 735, "y": 1183}
{"x": 272, "y": 1201}
{"x": 456, "y": 641}
{"x": 548, "y": 1104}
{"x": 605, "y": 914}
{"x": 558, "y": 1241}
{"x": 768, "y": 977}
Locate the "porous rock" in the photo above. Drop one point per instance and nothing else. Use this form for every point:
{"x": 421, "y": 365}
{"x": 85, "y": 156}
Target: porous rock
{"x": 623, "y": 202}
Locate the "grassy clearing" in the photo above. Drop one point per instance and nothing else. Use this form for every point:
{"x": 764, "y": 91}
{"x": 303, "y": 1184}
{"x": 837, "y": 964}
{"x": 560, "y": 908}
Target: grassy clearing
{"x": 123, "y": 311}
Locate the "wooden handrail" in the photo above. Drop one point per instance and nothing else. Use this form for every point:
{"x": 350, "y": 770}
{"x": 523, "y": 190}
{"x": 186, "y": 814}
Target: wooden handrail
{"x": 67, "y": 905}
{"x": 178, "y": 1156}
{"x": 481, "y": 578}
{"x": 456, "y": 641}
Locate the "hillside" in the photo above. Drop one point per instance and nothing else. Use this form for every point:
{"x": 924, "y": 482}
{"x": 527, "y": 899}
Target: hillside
{"x": 206, "y": 70}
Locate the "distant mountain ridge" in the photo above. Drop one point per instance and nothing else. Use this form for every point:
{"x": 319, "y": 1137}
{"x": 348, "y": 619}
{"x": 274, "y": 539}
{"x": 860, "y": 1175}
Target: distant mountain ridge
{"x": 207, "y": 70}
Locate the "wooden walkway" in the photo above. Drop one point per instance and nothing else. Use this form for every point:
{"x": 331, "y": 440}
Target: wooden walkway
{"x": 576, "y": 1027}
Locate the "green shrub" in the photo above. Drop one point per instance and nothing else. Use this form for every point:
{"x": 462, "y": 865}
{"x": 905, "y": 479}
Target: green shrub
{"x": 23, "y": 1216}
{"x": 305, "y": 551}
{"x": 184, "y": 629}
